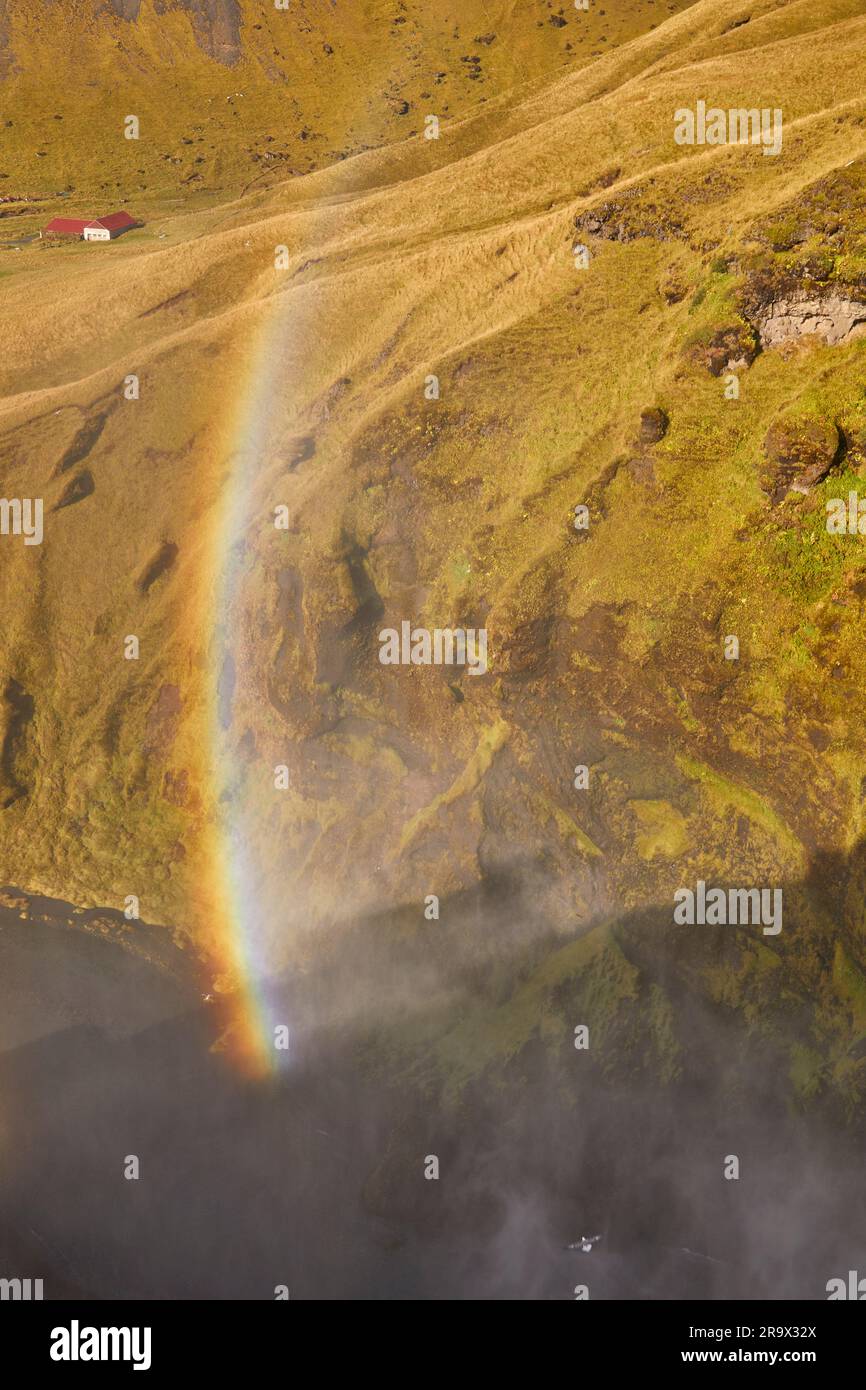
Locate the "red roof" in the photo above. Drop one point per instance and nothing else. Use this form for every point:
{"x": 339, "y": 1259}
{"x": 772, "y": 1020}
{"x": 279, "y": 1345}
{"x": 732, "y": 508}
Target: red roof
{"x": 114, "y": 221}
{"x": 73, "y": 225}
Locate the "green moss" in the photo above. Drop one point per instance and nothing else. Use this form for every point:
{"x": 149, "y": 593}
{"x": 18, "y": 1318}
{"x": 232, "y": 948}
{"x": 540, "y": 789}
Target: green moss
{"x": 488, "y": 1034}
{"x": 781, "y": 234}
{"x": 850, "y": 981}
{"x": 715, "y": 299}
{"x": 725, "y": 795}
{"x": 664, "y": 829}
{"x": 806, "y": 562}
{"x": 565, "y": 825}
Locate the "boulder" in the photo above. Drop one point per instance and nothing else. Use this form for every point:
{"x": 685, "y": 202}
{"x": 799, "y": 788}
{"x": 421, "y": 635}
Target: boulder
{"x": 799, "y": 451}
{"x": 653, "y": 425}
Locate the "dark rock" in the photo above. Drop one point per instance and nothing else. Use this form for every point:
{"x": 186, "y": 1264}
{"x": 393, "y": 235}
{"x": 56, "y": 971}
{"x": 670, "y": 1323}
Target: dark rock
{"x": 799, "y": 452}
{"x": 629, "y": 217}
{"x": 216, "y": 23}
{"x": 653, "y": 425}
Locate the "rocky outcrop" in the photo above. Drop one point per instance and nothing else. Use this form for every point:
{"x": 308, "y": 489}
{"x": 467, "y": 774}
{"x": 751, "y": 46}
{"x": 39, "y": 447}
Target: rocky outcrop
{"x": 126, "y": 9}
{"x": 834, "y": 318}
{"x": 799, "y": 453}
{"x": 216, "y": 23}
{"x": 629, "y": 217}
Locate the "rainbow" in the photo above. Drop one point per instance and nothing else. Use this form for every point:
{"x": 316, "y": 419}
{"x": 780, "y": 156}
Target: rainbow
{"x": 230, "y": 922}
{"x": 234, "y": 929}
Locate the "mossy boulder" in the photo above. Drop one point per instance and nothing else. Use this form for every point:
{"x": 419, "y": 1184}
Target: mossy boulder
{"x": 798, "y": 452}
{"x": 653, "y": 425}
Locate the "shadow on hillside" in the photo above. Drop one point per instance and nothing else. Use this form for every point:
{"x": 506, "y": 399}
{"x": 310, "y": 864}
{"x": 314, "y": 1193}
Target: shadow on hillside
{"x": 316, "y": 1180}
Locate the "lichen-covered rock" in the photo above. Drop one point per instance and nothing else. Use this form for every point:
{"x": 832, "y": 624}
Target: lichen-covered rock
{"x": 834, "y": 318}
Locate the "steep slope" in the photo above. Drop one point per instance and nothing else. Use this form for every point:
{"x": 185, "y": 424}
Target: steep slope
{"x": 283, "y": 344}
{"x": 229, "y": 91}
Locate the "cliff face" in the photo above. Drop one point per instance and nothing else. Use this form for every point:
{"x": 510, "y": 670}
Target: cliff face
{"x": 381, "y": 391}
{"x": 216, "y": 23}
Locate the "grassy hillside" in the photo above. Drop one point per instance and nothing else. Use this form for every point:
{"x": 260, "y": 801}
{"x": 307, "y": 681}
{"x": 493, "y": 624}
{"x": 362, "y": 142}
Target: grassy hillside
{"x": 230, "y": 93}
{"x": 606, "y": 386}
